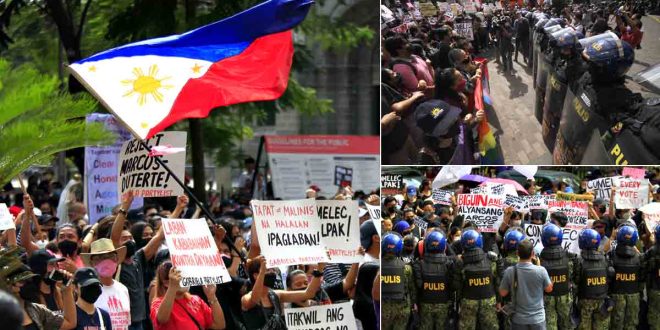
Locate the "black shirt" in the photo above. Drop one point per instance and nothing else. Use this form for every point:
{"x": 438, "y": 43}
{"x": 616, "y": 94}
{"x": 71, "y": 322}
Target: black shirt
{"x": 440, "y": 59}
{"x": 131, "y": 276}
{"x": 92, "y": 322}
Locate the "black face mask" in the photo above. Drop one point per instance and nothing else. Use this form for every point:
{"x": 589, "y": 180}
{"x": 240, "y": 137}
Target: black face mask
{"x": 392, "y": 209}
{"x": 227, "y": 261}
{"x": 49, "y": 281}
{"x": 67, "y": 248}
{"x": 269, "y": 280}
{"x": 90, "y": 293}
{"x": 130, "y": 248}
{"x": 602, "y": 208}
{"x": 30, "y": 290}
{"x": 51, "y": 234}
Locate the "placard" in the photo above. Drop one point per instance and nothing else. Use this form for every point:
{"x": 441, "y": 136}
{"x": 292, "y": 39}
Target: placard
{"x": 289, "y": 232}
{"x": 576, "y": 211}
{"x": 538, "y": 202}
{"x": 562, "y": 196}
{"x": 601, "y": 188}
{"x": 635, "y": 173}
{"x": 651, "y": 213}
{"x": 454, "y": 9}
{"x": 499, "y": 189}
{"x": 140, "y": 173}
{"x": 442, "y": 197}
{"x": 517, "y": 202}
{"x": 194, "y": 253}
{"x": 374, "y": 213}
{"x": 569, "y": 241}
{"x": 464, "y": 29}
{"x": 6, "y": 219}
{"x": 326, "y": 317}
{"x": 470, "y": 7}
{"x": 421, "y": 223}
{"x": 443, "y": 6}
{"x": 340, "y": 229}
{"x": 485, "y": 211}
{"x": 391, "y": 184}
{"x": 428, "y": 9}
{"x": 479, "y": 190}
{"x": 343, "y": 176}
{"x": 631, "y": 193}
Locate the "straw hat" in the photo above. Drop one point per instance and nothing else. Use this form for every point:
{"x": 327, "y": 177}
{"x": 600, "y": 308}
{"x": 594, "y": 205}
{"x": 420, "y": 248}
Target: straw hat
{"x": 103, "y": 246}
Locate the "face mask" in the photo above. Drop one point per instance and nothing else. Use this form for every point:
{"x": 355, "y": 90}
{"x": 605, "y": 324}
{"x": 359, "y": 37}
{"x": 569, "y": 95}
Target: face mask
{"x": 227, "y": 260}
{"x": 269, "y": 280}
{"x": 131, "y": 246}
{"x": 457, "y": 238}
{"x": 67, "y": 248}
{"x": 51, "y": 234}
{"x": 106, "y": 268}
{"x": 461, "y": 85}
{"x": 398, "y": 80}
{"x": 42, "y": 244}
{"x": 516, "y": 223}
{"x": 30, "y": 291}
{"x": 391, "y": 209}
{"x": 90, "y": 293}
{"x": 602, "y": 209}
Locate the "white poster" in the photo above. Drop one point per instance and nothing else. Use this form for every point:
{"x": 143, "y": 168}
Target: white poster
{"x": 569, "y": 241}
{"x": 601, "y": 188}
{"x": 289, "y": 232}
{"x": 194, "y": 253}
{"x": 485, "y": 211}
{"x": 441, "y": 196}
{"x": 499, "y": 189}
{"x": 538, "y": 202}
{"x": 142, "y": 174}
{"x": 464, "y": 29}
{"x": 576, "y": 212}
{"x": 651, "y": 213}
{"x": 6, "y": 219}
{"x": 321, "y": 317}
{"x": 374, "y": 213}
{"x": 631, "y": 193}
{"x": 340, "y": 229}
{"x": 518, "y": 203}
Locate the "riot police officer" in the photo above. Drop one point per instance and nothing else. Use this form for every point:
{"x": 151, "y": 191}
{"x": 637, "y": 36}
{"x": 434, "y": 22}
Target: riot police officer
{"x": 559, "y": 263}
{"x": 397, "y": 291}
{"x": 652, "y": 259}
{"x": 474, "y": 281}
{"x": 627, "y": 284}
{"x": 591, "y": 275}
{"x": 510, "y": 245}
{"x": 432, "y": 280}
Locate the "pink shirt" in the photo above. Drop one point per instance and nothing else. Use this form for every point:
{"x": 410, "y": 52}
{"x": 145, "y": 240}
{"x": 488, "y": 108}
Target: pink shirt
{"x": 409, "y": 79}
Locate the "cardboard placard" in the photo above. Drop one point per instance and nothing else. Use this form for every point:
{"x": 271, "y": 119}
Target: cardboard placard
{"x": 443, "y": 7}
{"x": 577, "y": 212}
{"x": 428, "y": 9}
{"x": 194, "y": 253}
{"x": 391, "y": 184}
{"x": 602, "y": 187}
{"x": 374, "y": 213}
{"x": 562, "y": 196}
{"x": 289, "y": 232}
{"x": 633, "y": 172}
{"x": 464, "y": 29}
{"x": 518, "y": 203}
{"x": 485, "y": 211}
{"x": 340, "y": 229}
{"x": 6, "y": 219}
{"x": 631, "y": 193}
{"x": 343, "y": 176}
{"x": 442, "y": 197}
{"x": 334, "y": 316}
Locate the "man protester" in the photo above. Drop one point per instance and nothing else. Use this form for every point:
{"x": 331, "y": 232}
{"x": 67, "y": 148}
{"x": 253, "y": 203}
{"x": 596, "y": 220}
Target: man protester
{"x": 522, "y": 37}
{"x": 89, "y": 290}
{"x": 529, "y": 282}
{"x": 628, "y": 280}
{"x": 397, "y": 289}
{"x": 591, "y": 275}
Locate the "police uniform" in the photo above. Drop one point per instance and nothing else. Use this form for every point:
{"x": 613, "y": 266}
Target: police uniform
{"x": 432, "y": 281}
{"x": 652, "y": 258}
{"x": 625, "y": 287}
{"x": 592, "y": 279}
{"x": 557, "y": 304}
{"x": 397, "y": 292}
{"x": 475, "y": 284}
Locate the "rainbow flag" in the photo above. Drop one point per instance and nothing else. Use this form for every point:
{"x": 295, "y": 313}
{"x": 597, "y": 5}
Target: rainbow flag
{"x": 490, "y": 153}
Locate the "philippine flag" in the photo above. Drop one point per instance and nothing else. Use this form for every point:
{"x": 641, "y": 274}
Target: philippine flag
{"x": 152, "y": 84}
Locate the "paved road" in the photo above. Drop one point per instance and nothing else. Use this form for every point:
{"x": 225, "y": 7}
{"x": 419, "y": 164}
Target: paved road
{"x": 513, "y": 97}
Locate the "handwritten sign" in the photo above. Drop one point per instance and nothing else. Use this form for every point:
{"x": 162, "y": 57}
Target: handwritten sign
{"x": 485, "y": 211}
{"x": 601, "y": 188}
{"x": 441, "y": 196}
{"x": 518, "y": 203}
{"x": 140, "y": 173}
{"x": 6, "y": 220}
{"x": 569, "y": 241}
{"x": 651, "y": 213}
{"x": 428, "y": 9}
{"x": 391, "y": 184}
{"x": 374, "y": 213}
{"x": 470, "y": 7}
{"x": 631, "y": 193}
{"x": 576, "y": 212}
{"x": 194, "y": 253}
{"x": 340, "y": 229}
{"x": 562, "y": 196}
{"x": 421, "y": 223}
{"x": 538, "y": 202}
{"x": 343, "y": 176}
{"x": 635, "y": 173}
{"x": 464, "y": 29}
{"x": 443, "y": 6}
{"x": 289, "y": 232}
{"x": 334, "y": 316}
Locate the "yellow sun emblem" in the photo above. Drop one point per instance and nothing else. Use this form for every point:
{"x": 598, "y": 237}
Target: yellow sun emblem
{"x": 436, "y": 112}
{"x": 146, "y": 85}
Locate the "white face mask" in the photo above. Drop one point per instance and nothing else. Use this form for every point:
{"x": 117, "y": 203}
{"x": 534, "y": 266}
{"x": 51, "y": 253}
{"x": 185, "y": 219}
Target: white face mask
{"x": 42, "y": 244}
{"x": 184, "y": 289}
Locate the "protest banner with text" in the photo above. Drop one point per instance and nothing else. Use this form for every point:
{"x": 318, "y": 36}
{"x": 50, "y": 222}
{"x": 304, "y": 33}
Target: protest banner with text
{"x": 391, "y": 184}
{"x": 374, "y": 213}
{"x": 518, "y": 203}
{"x": 6, "y": 219}
{"x": 289, "y": 232}
{"x": 326, "y": 317}
{"x": 651, "y": 213}
{"x": 631, "y": 193}
{"x": 485, "y": 211}
{"x": 601, "y": 188}
{"x": 442, "y": 197}
{"x": 569, "y": 241}
{"x": 562, "y": 196}
{"x": 464, "y": 29}
{"x": 141, "y": 173}
{"x": 340, "y": 229}
{"x": 538, "y": 202}
{"x": 428, "y": 9}
{"x": 635, "y": 173}
{"x": 194, "y": 253}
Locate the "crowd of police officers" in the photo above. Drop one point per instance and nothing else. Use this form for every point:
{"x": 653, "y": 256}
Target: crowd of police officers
{"x": 592, "y": 290}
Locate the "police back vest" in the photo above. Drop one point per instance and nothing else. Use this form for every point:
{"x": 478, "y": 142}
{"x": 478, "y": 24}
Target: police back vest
{"x": 477, "y": 275}
{"x": 626, "y": 263}
{"x": 434, "y": 282}
{"x": 555, "y": 260}
{"x": 393, "y": 285}
{"x": 593, "y": 279}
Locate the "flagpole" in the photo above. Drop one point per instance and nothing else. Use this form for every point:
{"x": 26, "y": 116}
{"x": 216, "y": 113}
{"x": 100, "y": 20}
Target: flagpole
{"x": 207, "y": 213}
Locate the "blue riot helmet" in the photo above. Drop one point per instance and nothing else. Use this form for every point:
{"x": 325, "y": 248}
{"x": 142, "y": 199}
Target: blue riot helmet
{"x": 566, "y": 37}
{"x": 401, "y": 226}
{"x": 589, "y": 239}
{"x": 392, "y": 244}
{"x": 471, "y": 239}
{"x": 435, "y": 242}
{"x": 512, "y": 239}
{"x": 627, "y": 235}
{"x": 555, "y": 21}
{"x": 551, "y": 235}
{"x": 609, "y": 58}
{"x": 539, "y": 25}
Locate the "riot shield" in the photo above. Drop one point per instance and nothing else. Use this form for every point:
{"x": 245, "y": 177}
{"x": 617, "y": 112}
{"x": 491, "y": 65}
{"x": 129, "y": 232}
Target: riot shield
{"x": 555, "y": 93}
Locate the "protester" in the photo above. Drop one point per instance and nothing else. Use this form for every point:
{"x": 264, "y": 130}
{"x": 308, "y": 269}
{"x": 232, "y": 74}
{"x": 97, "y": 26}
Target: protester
{"x": 89, "y": 290}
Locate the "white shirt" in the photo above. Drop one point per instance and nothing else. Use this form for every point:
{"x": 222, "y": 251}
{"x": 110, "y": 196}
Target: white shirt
{"x": 116, "y": 301}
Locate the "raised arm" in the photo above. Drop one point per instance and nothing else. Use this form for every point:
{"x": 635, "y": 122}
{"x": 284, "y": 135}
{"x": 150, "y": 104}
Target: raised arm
{"x": 180, "y": 205}
{"x": 218, "y": 315}
{"x": 252, "y": 298}
{"x": 351, "y": 276}
{"x": 312, "y": 289}
{"x": 26, "y": 230}
{"x": 69, "y": 309}
{"x": 165, "y": 308}
{"x": 120, "y": 220}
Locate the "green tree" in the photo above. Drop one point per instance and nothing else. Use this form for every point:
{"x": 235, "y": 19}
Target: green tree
{"x": 37, "y": 120}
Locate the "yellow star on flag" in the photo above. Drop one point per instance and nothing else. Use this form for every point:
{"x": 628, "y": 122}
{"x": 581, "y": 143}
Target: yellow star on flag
{"x": 196, "y": 68}
{"x": 92, "y": 68}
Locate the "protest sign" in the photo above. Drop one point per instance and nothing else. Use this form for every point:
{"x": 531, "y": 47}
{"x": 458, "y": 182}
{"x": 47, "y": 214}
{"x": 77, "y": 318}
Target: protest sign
{"x": 485, "y": 211}
{"x": 289, "y": 232}
{"x": 464, "y": 29}
{"x": 562, "y": 196}
{"x": 400, "y": 29}
{"x": 6, "y": 220}
{"x": 140, "y": 173}
{"x": 635, "y": 173}
{"x": 417, "y": 14}
{"x": 343, "y": 176}
{"x": 340, "y": 229}
{"x": 518, "y": 203}
{"x": 441, "y": 196}
{"x": 101, "y": 170}
{"x": 428, "y": 9}
{"x": 454, "y": 9}
{"x": 538, "y": 202}
{"x": 631, "y": 193}
{"x": 499, "y": 189}
{"x": 470, "y": 8}
{"x": 374, "y": 213}
{"x": 569, "y": 241}
{"x": 576, "y": 212}
{"x": 601, "y": 188}
{"x": 498, "y": 5}
{"x": 421, "y": 223}
{"x": 386, "y": 15}
{"x": 334, "y": 316}
{"x": 391, "y": 184}
{"x": 194, "y": 253}
{"x": 651, "y": 213}
{"x": 443, "y": 7}
{"x": 479, "y": 190}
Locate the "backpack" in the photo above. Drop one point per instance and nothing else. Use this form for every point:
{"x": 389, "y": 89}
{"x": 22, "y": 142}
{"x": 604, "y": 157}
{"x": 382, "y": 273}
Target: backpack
{"x": 405, "y": 62}
{"x": 276, "y": 321}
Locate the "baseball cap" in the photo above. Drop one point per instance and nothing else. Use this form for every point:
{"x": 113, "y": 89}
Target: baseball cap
{"x": 86, "y": 276}
{"x": 40, "y": 259}
{"x": 367, "y": 230}
{"x": 411, "y": 190}
{"x": 45, "y": 218}
{"x": 436, "y": 117}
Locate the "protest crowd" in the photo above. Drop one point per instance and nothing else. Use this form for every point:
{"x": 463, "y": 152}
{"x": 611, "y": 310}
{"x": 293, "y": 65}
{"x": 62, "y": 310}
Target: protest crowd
{"x": 467, "y": 251}
{"x": 59, "y": 269}
{"x": 436, "y": 103}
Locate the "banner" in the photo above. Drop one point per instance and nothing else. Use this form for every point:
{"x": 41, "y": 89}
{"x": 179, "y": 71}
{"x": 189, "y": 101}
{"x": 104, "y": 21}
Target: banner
{"x": 631, "y": 193}
{"x": 326, "y": 317}
{"x": 464, "y": 29}
{"x": 289, "y": 232}
{"x": 6, "y": 219}
{"x": 299, "y": 161}
{"x": 428, "y": 9}
{"x": 481, "y": 190}
{"x": 194, "y": 253}
{"x": 442, "y": 197}
{"x": 484, "y": 211}
{"x": 499, "y": 189}
{"x": 562, "y": 196}
{"x": 517, "y": 202}
{"x": 391, "y": 184}
{"x": 340, "y": 229}
{"x": 470, "y": 8}
{"x": 576, "y": 211}
{"x": 101, "y": 171}
{"x": 490, "y": 152}
{"x": 538, "y": 202}
{"x": 601, "y": 188}
{"x": 635, "y": 173}
{"x": 651, "y": 213}
{"x": 443, "y": 7}
{"x": 374, "y": 213}
{"x": 569, "y": 241}
{"x": 140, "y": 173}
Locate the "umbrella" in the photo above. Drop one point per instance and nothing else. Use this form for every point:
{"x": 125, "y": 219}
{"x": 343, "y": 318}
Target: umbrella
{"x": 474, "y": 178}
{"x": 508, "y": 181}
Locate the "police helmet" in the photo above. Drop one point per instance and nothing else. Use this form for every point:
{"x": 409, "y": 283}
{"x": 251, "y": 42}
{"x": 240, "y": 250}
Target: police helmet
{"x": 551, "y": 235}
{"x": 566, "y": 37}
{"x": 392, "y": 244}
{"x": 609, "y": 56}
{"x": 435, "y": 242}
{"x": 512, "y": 239}
{"x": 401, "y": 226}
{"x": 627, "y": 235}
{"x": 555, "y": 21}
{"x": 657, "y": 234}
{"x": 539, "y": 25}
{"x": 471, "y": 239}
{"x": 588, "y": 239}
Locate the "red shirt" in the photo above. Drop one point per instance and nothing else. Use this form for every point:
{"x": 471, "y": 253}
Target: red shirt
{"x": 634, "y": 37}
{"x": 179, "y": 319}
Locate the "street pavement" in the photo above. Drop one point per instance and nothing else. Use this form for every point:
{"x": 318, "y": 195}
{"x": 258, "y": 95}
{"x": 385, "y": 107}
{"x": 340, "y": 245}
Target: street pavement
{"x": 513, "y": 95}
